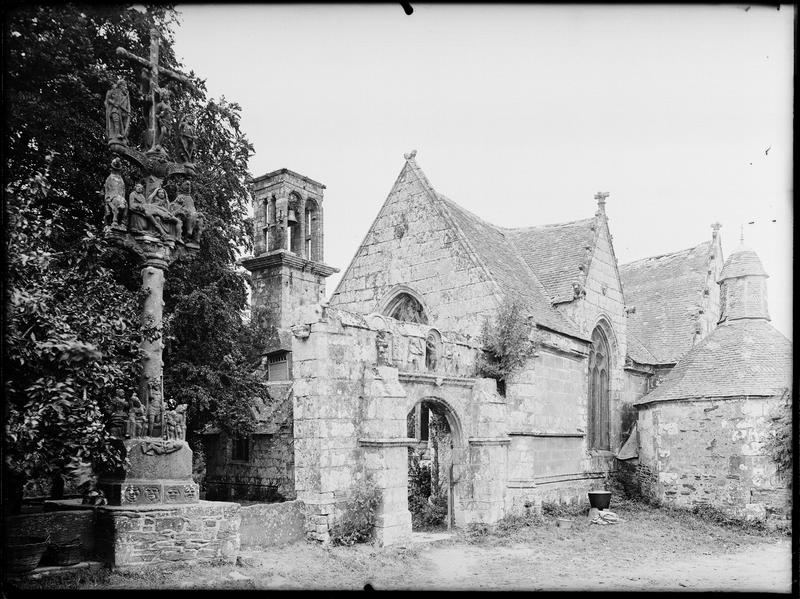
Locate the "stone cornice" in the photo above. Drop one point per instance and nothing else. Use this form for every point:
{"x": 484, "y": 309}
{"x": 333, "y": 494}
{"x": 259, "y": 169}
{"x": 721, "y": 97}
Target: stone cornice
{"x": 435, "y": 379}
{"x": 396, "y": 442}
{"x": 489, "y": 440}
{"x": 543, "y": 434}
{"x": 285, "y": 258}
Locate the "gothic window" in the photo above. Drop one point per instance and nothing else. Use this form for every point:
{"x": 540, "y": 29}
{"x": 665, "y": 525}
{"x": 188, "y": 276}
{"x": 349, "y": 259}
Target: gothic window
{"x": 598, "y": 416}
{"x": 407, "y": 308}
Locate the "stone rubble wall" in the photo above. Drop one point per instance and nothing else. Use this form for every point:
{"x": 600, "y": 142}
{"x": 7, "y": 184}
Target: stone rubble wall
{"x": 712, "y": 452}
{"x": 188, "y": 533}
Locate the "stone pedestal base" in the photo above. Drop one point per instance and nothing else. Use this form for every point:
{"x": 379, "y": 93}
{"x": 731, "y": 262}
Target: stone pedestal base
{"x": 160, "y": 473}
{"x": 140, "y": 535}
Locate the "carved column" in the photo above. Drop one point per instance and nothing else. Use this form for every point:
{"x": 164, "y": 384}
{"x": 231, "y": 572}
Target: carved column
{"x": 152, "y": 346}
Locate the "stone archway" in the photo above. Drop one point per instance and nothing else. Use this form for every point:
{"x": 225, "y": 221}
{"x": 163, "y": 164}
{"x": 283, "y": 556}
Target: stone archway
{"x": 435, "y": 464}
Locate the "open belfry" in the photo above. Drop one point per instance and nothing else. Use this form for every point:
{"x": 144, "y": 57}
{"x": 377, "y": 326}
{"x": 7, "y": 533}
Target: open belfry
{"x": 392, "y": 361}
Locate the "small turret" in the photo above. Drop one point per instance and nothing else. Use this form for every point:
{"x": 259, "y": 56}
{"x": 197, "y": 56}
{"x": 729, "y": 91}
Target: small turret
{"x": 743, "y": 286}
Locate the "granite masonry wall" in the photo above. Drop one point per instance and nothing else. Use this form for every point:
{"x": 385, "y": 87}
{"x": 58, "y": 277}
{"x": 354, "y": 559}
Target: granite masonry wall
{"x": 712, "y": 452}
{"x": 412, "y": 244}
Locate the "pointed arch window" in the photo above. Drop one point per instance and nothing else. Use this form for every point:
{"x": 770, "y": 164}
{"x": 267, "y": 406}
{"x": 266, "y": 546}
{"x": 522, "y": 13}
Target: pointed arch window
{"x": 598, "y": 416}
{"x": 405, "y": 307}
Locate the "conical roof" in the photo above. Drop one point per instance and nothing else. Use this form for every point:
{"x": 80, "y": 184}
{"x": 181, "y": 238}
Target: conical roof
{"x": 738, "y": 359}
{"x": 742, "y": 262}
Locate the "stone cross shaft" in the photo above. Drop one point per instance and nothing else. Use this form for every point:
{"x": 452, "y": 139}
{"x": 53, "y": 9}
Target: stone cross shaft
{"x": 154, "y": 70}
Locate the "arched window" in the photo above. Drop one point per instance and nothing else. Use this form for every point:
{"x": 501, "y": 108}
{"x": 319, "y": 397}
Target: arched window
{"x": 271, "y": 229}
{"x": 313, "y": 240}
{"x": 598, "y": 391}
{"x": 295, "y": 242}
{"x": 406, "y": 307}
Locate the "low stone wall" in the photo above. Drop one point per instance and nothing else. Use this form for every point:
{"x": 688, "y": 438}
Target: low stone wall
{"x": 271, "y": 524}
{"x": 59, "y": 526}
{"x": 191, "y": 533}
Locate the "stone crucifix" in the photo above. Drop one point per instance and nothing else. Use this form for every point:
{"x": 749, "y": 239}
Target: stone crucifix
{"x": 160, "y": 111}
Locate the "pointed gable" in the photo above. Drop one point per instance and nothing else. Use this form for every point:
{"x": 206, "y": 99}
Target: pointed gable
{"x": 461, "y": 265}
{"x": 556, "y": 253}
{"x": 667, "y": 292}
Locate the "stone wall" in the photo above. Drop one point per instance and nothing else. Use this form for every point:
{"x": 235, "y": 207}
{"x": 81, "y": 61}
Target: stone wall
{"x": 272, "y": 524}
{"x": 410, "y": 243}
{"x": 267, "y": 476}
{"x": 711, "y": 452}
{"x": 204, "y": 531}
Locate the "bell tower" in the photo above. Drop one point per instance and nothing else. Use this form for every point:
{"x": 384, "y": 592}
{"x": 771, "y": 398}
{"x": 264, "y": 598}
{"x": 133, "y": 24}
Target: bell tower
{"x": 287, "y": 266}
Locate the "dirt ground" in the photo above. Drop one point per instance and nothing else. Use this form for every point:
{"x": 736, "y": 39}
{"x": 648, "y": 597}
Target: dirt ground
{"x": 649, "y": 549}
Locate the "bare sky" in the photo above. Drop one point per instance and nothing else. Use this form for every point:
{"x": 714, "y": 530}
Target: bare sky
{"x": 521, "y": 113}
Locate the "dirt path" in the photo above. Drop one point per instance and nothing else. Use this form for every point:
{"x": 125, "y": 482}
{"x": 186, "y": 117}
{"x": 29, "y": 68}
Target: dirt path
{"x": 761, "y": 567}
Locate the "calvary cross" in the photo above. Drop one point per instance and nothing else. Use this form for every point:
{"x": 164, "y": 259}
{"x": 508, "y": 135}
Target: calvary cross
{"x": 154, "y": 70}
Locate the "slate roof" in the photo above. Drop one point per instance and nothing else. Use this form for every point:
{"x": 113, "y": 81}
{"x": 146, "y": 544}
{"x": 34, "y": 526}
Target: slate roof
{"x": 555, "y": 253}
{"x": 501, "y": 258}
{"x": 739, "y": 358}
{"x": 666, "y": 291}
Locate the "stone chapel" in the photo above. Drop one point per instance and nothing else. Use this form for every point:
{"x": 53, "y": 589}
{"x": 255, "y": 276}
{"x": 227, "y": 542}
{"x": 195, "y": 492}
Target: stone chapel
{"x": 356, "y": 380}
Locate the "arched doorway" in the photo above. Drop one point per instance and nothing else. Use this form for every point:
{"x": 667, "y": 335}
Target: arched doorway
{"x": 598, "y": 414}
{"x": 432, "y": 465}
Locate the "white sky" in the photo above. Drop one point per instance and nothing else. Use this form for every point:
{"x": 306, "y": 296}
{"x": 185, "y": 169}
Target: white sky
{"x": 521, "y": 113}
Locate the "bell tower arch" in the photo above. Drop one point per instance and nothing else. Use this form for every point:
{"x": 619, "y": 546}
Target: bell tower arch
{"x": 287, "y": 264}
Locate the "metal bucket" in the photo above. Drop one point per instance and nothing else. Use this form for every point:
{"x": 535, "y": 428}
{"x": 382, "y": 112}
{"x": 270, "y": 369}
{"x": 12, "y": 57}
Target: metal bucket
{"x": 600, "y": 499}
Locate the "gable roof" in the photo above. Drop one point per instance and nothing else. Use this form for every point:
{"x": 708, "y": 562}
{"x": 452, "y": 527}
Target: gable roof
{"x": 506, "y": 267}
{"x": 556, "y": 253}
{"x": 737, "y": 359}
{"x": 666, "y": 292}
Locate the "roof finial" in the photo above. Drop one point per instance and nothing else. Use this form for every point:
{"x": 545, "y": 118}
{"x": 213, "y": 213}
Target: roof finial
{"x": 601, "y": 196}
{"x": 410, "y": 155}
{"x": 715, "y": 227}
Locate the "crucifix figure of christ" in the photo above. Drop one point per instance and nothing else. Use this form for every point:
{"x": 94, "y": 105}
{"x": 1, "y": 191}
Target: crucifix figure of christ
{"x": 160, "y": 111}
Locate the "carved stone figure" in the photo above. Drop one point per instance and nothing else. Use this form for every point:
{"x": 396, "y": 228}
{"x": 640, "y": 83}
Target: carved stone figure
{"x": 431, "y": 352}
{"x": 118, "y": 418}
{"x": 135, "y": 418}
{"x": 114, "y": 194}
{"x": 382, "y": 346}
{"x": 157, "y": 212}
{"x": 183, "y": 208}
{"x": 175, "y": 423}
{"x": 118, "y": 113}
{"x": 163, "y": 114}
{"x": 188, "y": 136}
{"x": 154, "y": 411}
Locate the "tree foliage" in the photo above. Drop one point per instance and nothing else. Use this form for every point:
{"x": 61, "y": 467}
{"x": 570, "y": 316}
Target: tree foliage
{"x": 71, "y": 341}
{"x": 506, "y": 343}
{"x": 60, "y": 61}
{"x": 779, "y": 439}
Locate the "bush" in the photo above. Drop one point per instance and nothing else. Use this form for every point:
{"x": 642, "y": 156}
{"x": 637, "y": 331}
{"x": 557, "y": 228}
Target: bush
{"x": 358, "y": 519}
{"x": 779, "y": 441}
{"x": 506, "y": 344}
